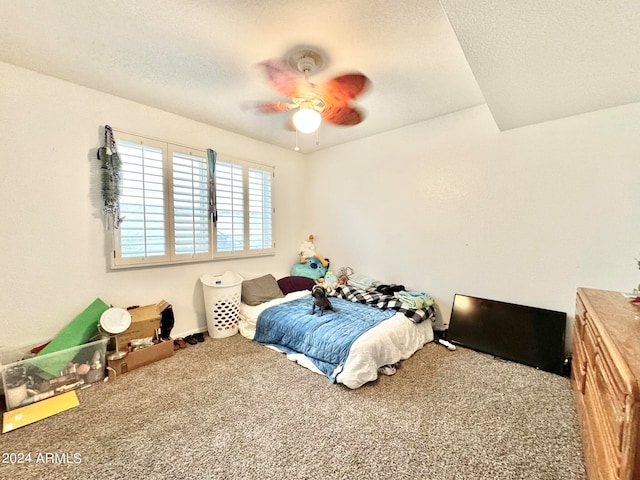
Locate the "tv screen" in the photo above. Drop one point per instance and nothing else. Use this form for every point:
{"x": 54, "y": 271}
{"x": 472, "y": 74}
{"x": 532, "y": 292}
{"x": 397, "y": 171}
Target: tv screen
{"x": 528, "y": 335}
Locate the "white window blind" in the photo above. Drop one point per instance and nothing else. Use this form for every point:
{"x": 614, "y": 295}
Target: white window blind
{"x": 230, "y": 201}
{"x": 260, "y": 209}
{"x": 164, "y": 204}
{"x": 142, "y": 234}
{"x": 190, "y": 205}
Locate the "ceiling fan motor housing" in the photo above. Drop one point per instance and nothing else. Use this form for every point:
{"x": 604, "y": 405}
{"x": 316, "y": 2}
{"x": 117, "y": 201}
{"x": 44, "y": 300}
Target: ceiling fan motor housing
{"x": 306, "y": 61}
{"x": 306, "y": 64}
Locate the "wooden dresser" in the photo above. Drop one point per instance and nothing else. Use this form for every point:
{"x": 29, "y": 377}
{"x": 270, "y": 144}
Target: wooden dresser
{"x": 605, "y": 372}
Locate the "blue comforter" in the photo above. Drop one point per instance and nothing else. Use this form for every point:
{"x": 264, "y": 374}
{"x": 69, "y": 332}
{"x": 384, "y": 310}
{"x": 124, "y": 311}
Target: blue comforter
{"x": 325, "y": 340}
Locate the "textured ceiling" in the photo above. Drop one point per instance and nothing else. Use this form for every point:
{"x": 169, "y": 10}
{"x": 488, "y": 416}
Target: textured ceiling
{"x": 539, "y": 60}
{"x": 531, "y": 60}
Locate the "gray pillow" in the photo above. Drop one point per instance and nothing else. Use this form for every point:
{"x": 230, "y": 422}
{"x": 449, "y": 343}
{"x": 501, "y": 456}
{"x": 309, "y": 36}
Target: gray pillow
{"x": 260, "y": 290}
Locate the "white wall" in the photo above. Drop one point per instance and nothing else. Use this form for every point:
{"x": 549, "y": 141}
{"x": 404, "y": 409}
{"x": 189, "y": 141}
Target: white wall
{"x": 53, "y": 242}
{"x": 446, "y": 206}
{"x": 455, "y": 206}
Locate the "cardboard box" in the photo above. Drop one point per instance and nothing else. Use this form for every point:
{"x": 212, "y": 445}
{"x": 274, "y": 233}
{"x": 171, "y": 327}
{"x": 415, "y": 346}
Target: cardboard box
{"x": 140, "y": 358}
{"x": 144, "y": 323}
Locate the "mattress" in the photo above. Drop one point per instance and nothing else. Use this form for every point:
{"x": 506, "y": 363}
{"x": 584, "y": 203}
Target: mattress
{"x": 394, "y": 339}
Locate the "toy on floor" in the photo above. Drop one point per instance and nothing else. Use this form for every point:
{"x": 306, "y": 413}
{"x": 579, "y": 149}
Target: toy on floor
{"x": 440, "y": 339}
{"x": 389, "y": 369}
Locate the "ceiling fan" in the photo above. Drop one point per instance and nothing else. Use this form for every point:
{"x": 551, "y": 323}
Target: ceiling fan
{"x": 330, "y": 101}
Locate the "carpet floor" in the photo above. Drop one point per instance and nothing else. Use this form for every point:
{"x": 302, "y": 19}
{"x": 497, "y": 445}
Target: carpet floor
{"x": 232, "y": 409}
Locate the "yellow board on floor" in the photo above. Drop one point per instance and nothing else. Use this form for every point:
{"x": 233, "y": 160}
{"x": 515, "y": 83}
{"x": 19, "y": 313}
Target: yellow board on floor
{"x": 37, "y": 411}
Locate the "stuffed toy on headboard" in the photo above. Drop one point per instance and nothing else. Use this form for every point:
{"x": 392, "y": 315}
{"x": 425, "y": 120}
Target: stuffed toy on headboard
{"x": 311, "y": 268}
{"x": 308, "y": 249}
{"x": 311, "y": 265}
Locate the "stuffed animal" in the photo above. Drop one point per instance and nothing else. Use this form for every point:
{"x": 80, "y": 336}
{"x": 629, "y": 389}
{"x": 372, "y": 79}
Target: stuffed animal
{"x": 312, "y": 268}
{"x": 343, "y": 275}
{"x": 308, "y": 249}
{"x": 329, "y": 282}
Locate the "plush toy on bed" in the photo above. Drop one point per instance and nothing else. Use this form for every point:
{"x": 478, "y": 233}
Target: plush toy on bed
{"x": 308, "y": 249}
{"x": 329, "y": 282}
{"x": 310, "y": 265}
{"x": 312, "y": 268}
{"x": 343, "y": 275}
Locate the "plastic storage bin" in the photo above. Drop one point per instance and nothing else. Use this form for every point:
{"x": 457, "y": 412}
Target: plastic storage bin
{"x": 222, "y": 303}
{"x": 28, "y": 378}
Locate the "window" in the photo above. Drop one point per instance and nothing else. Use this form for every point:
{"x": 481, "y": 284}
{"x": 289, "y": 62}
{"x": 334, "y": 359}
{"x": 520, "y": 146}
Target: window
{"x": 164, "y": 205}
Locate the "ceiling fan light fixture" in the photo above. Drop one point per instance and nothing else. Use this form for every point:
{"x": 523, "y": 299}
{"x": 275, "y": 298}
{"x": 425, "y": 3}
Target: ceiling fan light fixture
{"x": 307, "y": 120}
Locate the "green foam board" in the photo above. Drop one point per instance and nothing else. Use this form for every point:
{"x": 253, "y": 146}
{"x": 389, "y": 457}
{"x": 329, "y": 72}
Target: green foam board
{"x": 77, "y": 332}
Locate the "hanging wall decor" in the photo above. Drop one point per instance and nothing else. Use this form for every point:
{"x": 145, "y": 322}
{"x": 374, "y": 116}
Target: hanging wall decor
{"x": 212, "y": 156}
{"x": 111, "y": 165}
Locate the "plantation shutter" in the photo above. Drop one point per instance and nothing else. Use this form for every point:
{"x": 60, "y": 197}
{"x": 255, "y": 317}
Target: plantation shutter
{"x": 190, "y": 204}
{"x": 142, "y": 232}
{"x": 230, "y": 204}
{"x": 260, "y": 209}
{"x": 174, "y": 209}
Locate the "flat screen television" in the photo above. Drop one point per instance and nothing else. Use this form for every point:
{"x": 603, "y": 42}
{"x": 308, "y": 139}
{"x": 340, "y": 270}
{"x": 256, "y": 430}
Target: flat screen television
{"x": 528, "y": 335}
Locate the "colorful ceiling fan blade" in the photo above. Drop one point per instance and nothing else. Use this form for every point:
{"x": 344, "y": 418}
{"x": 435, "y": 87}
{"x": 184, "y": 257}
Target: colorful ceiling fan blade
{"x": 274, "y": 107}
{"x": 344, "y": 88}
{"x": 282, "y": 79}
{"x": 342, "y": 115}
{"x": 337, "y": 95}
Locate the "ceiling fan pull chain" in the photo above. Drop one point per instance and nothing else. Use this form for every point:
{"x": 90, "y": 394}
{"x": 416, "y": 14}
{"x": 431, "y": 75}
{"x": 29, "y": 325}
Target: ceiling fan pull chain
{"x": 297, "y": 148}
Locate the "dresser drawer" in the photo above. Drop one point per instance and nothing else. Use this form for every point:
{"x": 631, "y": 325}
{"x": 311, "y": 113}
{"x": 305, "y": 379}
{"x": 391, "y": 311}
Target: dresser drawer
{"x": 590, "y": 341}
{"x": 623, "y": 382}
{"x": 581, "y": 314}
{"x": 578, "y": 365}
{"x": 612, "y": 401}
{"x": 604, "y": 456}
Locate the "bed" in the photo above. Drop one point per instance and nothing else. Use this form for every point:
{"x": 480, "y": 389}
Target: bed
{"x": 367, "y": 332}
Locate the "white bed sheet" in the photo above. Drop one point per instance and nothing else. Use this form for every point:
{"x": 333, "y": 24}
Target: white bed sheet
{"x": 393, "y": 340}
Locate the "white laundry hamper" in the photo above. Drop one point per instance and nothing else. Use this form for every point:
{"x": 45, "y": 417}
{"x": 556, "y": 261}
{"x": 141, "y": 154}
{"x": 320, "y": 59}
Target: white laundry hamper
{"x": 222, "y": 303}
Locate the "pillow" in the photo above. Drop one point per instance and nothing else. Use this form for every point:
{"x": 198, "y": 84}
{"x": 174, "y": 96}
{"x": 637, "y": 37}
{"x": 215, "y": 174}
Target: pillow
{"x": 295, "y": 283}
{"x": 260, "y": 290}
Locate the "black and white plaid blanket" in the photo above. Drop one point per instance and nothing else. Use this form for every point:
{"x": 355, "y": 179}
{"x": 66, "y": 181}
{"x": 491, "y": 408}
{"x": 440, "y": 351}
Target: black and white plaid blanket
{"x": 383, "y": 302}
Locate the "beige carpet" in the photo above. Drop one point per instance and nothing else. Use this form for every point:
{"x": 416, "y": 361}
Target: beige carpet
{"x": 231, "y": 409}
